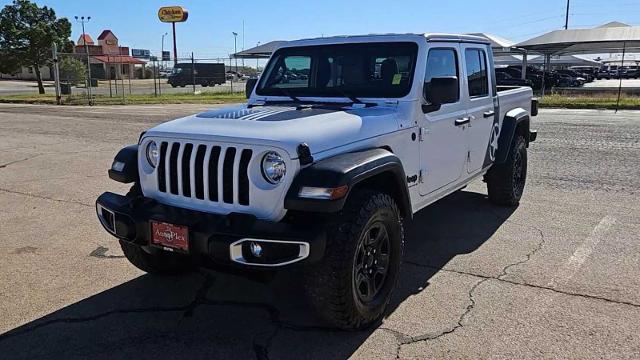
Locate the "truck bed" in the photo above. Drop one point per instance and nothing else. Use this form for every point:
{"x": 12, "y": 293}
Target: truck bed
{"x": 513, "y": 97}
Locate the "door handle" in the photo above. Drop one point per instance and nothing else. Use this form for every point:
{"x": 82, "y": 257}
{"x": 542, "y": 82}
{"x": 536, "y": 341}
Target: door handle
{"x": 489, "y": 114}
{"x": 464, "y": 120}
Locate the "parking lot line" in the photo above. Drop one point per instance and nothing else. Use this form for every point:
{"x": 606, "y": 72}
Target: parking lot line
{"x": 581, "y": 254}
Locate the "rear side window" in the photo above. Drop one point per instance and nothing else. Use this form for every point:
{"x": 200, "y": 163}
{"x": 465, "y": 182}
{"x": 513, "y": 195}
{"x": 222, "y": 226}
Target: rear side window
{"x": 477, "y": 75}
{"x": 441, "y": 63}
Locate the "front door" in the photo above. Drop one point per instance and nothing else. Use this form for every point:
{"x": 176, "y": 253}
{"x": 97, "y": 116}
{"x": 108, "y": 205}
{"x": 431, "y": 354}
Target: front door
{"x": 443, "y": 146}
{"x": 483, "y": 131}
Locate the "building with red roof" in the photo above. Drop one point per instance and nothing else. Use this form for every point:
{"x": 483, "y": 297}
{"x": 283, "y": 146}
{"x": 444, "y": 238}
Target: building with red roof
{"x": 107, "y": 58}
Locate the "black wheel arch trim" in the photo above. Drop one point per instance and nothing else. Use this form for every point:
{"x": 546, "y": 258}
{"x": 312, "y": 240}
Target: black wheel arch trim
{"x": 129, "y": 173}
{"x": 511, "y": 122}
{"x": 348, "y": 169}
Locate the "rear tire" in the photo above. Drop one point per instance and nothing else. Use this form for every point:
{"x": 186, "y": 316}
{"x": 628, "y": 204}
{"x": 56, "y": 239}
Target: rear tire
{"x": 352, "y": 285}
{"x": 505, "y": 182}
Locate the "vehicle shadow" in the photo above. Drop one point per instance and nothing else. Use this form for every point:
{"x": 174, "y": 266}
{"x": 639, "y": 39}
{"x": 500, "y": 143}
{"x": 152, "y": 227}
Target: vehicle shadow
{"x": 224, "y": 316}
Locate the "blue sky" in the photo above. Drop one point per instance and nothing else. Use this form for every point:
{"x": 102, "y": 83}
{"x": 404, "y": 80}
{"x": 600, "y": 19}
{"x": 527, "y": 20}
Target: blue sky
{"x": 208, "y": 30}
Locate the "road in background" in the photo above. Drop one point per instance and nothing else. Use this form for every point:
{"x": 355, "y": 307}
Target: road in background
{"x": 557, "y": 277}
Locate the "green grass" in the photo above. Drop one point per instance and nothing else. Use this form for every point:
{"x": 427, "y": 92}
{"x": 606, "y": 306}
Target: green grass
{"x": 183, "y": 98}
{"x": 549, "y": 101}
{"x": 589, "y": 102}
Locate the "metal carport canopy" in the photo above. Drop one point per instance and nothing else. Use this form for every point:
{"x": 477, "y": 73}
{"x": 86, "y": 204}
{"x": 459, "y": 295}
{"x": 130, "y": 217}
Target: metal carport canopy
{"x": 609, "y": 38}
{"x": 585, "y": 41}
{"x": 263, "y": 51}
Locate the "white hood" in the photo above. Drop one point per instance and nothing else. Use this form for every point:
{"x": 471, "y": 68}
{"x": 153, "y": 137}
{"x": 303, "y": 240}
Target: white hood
{"x": 285, "y": 127}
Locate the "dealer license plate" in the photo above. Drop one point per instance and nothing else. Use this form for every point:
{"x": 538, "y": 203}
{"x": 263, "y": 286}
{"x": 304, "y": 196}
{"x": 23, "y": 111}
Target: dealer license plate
{"x": 170, "y": 236}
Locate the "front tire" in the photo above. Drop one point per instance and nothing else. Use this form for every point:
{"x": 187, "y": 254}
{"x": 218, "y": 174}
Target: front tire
{"x": 352, "y": 286}
{"x": 505, "y": 182}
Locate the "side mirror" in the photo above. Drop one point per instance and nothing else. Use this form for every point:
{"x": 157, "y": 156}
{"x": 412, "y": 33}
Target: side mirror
{"x": 248, "y": 87}
{"x": 440, "y": 91}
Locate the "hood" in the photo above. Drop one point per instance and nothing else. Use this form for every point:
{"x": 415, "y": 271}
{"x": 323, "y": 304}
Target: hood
{"x": 285, "y": 127}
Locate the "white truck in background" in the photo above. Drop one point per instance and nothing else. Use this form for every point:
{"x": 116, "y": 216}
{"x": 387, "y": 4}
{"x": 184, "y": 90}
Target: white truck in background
{"x": 342, "y": 140}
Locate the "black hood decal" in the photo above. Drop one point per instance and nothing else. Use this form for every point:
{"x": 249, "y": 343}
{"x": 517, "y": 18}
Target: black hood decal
{"x": 268, "y": 113}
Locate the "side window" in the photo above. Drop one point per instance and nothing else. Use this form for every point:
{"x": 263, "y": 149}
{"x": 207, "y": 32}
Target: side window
{"x": 477, "y": 78}
{"x": 441, "y": 63}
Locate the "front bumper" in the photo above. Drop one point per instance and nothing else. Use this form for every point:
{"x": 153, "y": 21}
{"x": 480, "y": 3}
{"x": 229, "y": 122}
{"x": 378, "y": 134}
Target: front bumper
{"x": 213, "y": 237}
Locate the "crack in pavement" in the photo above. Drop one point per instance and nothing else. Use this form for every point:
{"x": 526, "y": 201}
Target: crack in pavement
{"x": 261, "y": 349}
{"x": 44, "y": 197}
{"x": 541, "y": 287}
{"x": 472, "y": 302}
{"x": 2, "y": 166}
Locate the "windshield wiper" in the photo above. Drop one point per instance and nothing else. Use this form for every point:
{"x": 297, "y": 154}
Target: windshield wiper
{"x": 287, "y": 94}
{"x": 349, "y": 96}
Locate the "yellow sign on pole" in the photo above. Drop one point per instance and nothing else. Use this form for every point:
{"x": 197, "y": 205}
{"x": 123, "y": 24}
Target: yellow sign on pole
{"x": 173, "y": 14}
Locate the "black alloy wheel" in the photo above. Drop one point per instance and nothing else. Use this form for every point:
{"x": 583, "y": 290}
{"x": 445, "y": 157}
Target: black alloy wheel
{"x": 371, "y": 263}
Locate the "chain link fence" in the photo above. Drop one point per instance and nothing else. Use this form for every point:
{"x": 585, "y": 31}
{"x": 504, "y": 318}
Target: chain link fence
{"x": 114, "y": 78}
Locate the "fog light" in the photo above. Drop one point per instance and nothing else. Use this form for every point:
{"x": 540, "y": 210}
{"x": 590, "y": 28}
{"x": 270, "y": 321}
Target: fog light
{"x": 256, "y": 249}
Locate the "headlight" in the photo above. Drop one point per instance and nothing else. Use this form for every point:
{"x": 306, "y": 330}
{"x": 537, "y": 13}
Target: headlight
{"x": 152, "y": 153}
{"x": 273, "y": 167}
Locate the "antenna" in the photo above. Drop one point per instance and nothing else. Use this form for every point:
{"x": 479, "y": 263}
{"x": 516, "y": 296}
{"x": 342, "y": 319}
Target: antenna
{"x": 566, "y": 22}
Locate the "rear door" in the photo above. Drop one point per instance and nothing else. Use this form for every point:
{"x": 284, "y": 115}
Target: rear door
{"x": 484, "y": 129}
{"x": 443, "y": 146}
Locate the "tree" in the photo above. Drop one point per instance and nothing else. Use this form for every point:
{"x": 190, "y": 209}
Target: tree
{"x": 72, "y": 70}
{"x": 27, "y": 33}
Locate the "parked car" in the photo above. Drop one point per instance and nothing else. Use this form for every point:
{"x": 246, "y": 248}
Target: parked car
{"x": 588, "y": 71}
{"x": 503, "y": 78}
{"x": 566, "y": 80}
{"x": 549, "y": 77}
{"x": 532, "y": 75}
{"x": 574, "y": 74}
{"x": 203, "y": 74}
{"x": 603, "y": 73}
{"x": 324, "y": 175}
{"x": 630, "y": 72}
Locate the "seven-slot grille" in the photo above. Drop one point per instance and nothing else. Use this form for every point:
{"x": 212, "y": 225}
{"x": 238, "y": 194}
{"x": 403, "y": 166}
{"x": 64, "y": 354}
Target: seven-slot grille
{"x": 205, "y": 172}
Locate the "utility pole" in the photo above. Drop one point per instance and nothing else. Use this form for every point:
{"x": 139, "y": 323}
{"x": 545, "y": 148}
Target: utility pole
{"x": 81, "y": 20}
{"x": 566, "y": 21}
{"x": 56, "y": 73}
{"x": 235, "y": 46}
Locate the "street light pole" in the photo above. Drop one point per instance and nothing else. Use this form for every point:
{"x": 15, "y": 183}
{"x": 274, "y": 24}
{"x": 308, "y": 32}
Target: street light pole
{"x": 81, "y": 20}
{"x": 235, "y": 46}
{"x": 162, "y": 51}
{"x": 242, "y": 41}
{"x": 258, "y": 44}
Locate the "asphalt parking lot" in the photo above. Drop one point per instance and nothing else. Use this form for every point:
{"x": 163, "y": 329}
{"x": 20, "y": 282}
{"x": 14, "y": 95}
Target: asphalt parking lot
{"x": 557, "y": 277}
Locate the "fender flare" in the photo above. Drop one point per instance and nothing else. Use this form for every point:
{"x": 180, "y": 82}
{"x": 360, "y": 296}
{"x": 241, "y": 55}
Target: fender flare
{"x": 512, "y": 120}
{"x": 348, "y": 169}
{"x": 124, "y": 168}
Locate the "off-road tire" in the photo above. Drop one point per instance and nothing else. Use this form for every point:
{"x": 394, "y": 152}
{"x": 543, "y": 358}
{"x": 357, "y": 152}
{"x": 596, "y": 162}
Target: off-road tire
{"x": 331, "y": 284}
{"x": 505, "y": 182}
{"x": 158, "y": 262}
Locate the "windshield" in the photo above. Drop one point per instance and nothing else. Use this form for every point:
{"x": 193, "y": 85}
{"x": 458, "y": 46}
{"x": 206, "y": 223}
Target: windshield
{"x": 177, "y": 70}
{"x": 373, "y": 70}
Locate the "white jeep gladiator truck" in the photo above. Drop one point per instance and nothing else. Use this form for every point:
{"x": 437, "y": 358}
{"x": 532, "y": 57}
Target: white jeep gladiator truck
{"x": 342, "y": 140}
